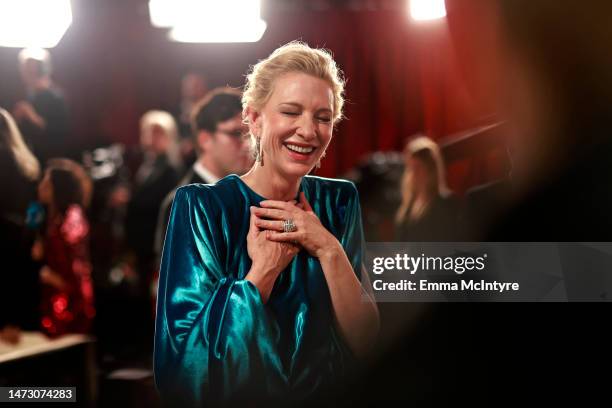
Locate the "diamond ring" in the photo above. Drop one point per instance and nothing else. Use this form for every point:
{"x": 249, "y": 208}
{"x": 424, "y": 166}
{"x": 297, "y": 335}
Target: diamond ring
{"x": 289, "y": 226}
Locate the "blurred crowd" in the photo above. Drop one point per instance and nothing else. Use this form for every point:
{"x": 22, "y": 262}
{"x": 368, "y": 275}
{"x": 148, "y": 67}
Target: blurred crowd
{"x": 84, "y": 237}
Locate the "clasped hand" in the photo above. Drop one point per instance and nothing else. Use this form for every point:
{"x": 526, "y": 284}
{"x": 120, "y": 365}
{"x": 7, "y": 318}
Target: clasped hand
{"x": 267, "y": 243}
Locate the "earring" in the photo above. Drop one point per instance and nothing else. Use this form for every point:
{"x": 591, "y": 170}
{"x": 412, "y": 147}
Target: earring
{"x": 258, "y": 151}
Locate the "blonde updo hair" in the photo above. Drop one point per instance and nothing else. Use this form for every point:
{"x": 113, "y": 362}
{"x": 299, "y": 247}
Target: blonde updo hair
{"x": 295, "y": 56}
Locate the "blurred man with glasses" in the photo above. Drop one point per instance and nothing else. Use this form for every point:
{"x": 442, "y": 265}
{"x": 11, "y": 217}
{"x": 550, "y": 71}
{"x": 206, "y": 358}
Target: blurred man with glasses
{"x": 222, "y": 147}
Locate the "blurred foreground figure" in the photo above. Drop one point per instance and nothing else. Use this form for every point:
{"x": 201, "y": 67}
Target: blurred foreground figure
{"x": 67, "y": 304}
{"x": 43, "y": 115}
{"x": 557, "y": 98}
{"x": 19, "y": 172}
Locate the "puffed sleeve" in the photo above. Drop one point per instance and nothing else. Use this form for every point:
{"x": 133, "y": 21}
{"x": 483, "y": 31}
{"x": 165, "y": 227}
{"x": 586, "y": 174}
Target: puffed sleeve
{"x": 214, "y": 339}
{"x": 352, "y": 237}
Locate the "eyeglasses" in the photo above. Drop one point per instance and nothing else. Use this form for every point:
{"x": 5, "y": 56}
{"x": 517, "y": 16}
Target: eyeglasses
{"x": 236, "y": 133}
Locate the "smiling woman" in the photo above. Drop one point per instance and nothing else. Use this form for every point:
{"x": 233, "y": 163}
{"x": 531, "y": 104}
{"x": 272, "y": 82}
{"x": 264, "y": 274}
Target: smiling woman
{"x": 260, "y": 295}
{"x": 299, "y": 127}
{"x": 299, "y": 91}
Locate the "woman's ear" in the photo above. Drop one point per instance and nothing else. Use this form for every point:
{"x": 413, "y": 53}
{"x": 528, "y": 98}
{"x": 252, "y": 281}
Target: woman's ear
{"x": 254, "y": 123}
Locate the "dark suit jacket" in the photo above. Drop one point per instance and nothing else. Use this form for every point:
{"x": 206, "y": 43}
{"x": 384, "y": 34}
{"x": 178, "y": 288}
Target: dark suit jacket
{"x": 164, "y": 211}
{"x": 143, "y": 209}
{"x": 51, "y": 141}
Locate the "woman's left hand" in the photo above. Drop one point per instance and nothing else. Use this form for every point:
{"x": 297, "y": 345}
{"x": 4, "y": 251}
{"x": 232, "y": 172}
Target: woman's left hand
{"x": 309, "y": 233}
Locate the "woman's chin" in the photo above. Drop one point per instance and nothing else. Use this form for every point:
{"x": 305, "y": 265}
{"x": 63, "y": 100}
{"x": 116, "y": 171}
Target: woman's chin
{"x": 296, "y": 169}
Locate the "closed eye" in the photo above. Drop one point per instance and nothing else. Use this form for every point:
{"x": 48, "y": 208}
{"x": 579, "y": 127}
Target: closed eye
{"x": 291, "y": 113}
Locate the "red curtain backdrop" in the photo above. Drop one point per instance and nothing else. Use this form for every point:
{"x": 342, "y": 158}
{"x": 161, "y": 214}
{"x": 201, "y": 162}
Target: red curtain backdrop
{"x": 403, "y": 77}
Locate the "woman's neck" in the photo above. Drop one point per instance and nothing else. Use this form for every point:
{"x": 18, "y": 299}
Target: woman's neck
{"x": 267, "y": 183}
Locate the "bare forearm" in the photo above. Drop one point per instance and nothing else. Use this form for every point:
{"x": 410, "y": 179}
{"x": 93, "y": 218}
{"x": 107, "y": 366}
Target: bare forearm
{"x": 356, "y": 314}
{"x": 264, "y": 282}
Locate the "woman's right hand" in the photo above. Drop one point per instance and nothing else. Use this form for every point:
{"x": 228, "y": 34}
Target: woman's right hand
{"x": 268, "y": 258}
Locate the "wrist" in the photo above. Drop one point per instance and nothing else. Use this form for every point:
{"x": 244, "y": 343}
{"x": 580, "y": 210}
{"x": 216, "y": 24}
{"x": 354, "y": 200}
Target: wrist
{"x": 330, "y": 251}
{"x": 262, "y": 271}
{"x": 262, "y": 280}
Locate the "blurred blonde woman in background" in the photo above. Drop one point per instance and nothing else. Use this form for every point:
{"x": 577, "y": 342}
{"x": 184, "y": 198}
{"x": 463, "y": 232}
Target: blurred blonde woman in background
{"x": 428, "y": 211}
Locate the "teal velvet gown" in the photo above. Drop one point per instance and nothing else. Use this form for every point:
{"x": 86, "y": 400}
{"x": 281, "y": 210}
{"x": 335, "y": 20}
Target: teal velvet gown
{"x": 215, "y": 341}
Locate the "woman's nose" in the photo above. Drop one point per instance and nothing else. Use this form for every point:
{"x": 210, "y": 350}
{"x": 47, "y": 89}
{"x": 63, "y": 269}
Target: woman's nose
{"x": 306, "y": 128}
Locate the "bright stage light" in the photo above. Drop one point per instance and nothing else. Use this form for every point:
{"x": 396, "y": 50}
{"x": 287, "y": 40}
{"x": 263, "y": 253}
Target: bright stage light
{"x": 209, "y": 20}
{"x": 218, "y": 32}
{"x": 165, "y": 14}
{"x": 422, "y": 10}
{"x": 34, "y": 23}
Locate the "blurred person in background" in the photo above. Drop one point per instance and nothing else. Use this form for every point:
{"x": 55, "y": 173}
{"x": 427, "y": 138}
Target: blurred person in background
{"x": 428, "y": 211}
{"x": 141, "y": 199}
{"x": 43, "y": 115}
{"x": 221, "y": 145}
{"x": 134, "y": 204}
{"x": 63, "y": 248}
{"x": 193, "y": 88}
{"x": 19, "y": 173}
{"x": 156, "y": 176}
